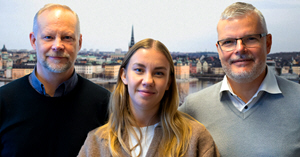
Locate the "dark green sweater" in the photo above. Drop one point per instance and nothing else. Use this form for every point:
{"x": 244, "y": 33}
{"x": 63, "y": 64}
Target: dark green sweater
{"x": 32, "y": 124}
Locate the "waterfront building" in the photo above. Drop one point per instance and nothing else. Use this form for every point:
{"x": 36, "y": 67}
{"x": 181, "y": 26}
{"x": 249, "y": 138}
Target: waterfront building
{"x": 112, "y": 70}
{"x": 1, "y": 62}
{"x": 86, "y": 57}
{"x": 193, "y": 67}
{"x": 9, "y": 63}
{"x": 97, "y": 69}
{"x": 101, "y": 59}
{"x": 84, "y": 69}
{"x": 182, "y": 70}
{"x": 117, "y": 55}
{"x": 296, "y": 69}
{"x": 20, "y": 70}
{"x": 198, "y": 67}
{"x": 8, "y": 73}
{"x": 89, "y": 69}
{"x": 205, "y": 67}
{"x": 21, "y": 54}
{"x": 202, "y": 67}
{"x": 217, "y": 69}
{"x": 2, "y": 73}
{"x": 288, "y": 73}
{"x": 118, "y": 51}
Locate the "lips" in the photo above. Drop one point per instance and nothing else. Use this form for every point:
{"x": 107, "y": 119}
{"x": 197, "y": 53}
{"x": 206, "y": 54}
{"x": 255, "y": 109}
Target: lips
{"x": 146, "y": 92}
{"x": 57, "y": 55}
{"x": 241, "y": 60}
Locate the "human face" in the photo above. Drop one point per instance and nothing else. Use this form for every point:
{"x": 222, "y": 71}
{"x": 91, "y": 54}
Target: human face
{"x": 57, "y": 41}
{"x": 147, "y": 77}
{"x": 243, "y": 64}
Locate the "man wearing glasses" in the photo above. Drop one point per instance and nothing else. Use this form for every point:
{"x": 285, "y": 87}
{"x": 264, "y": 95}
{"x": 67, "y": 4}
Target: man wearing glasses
{"x": 251, "y": 112}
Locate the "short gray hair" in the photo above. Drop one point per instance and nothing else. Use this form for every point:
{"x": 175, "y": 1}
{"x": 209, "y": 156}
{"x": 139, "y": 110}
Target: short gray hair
{"x": 241, "y": 9}
{"x": 52, "y": 6}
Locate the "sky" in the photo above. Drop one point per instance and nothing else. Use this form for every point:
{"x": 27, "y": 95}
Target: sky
{"x": 182, "y": 25}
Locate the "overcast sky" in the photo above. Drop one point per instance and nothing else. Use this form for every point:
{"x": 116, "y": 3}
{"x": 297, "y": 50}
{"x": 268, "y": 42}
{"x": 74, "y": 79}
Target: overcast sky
{"x": 182, "y": 25}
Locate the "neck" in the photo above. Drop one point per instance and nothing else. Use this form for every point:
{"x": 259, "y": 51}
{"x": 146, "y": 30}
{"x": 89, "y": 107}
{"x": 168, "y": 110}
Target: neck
{"x": 246, "y": 91}
{"x": 144, "y": 117}
{"x": 52, "y": 80}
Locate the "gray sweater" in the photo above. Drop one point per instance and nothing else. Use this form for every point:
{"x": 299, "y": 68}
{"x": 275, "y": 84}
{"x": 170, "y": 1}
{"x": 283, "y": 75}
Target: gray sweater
{"x": 270, "y": 128}
{"x": 201, "y": 143}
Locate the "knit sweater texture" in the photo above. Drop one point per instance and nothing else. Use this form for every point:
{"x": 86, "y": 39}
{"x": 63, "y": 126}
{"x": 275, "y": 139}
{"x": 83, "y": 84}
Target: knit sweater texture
{"x": 34, "y": 125}
{"x": 200, "y": 145}
{"x": 270, "y": 128}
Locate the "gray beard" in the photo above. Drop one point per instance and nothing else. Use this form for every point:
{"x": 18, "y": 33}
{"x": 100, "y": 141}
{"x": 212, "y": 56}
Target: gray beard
{"x": 56, "y": 68}
{"x": 244, "y": 76}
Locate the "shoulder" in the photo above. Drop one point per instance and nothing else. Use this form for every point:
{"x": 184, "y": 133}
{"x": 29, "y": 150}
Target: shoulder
{"x": 198, "y": 129}
{"x": 96, "y": 143}
{"x": 100, "y": 132}
{"x": 11, "y": 87}
{"x": 98, "y": 135}
{"x": 202, "y": 140}
{"x": 201, "y": 99}
{"x": 285, "y": 84}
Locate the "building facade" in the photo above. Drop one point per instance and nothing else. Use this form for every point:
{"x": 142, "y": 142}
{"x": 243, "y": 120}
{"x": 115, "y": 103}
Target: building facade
{"x": 112, "y": 70}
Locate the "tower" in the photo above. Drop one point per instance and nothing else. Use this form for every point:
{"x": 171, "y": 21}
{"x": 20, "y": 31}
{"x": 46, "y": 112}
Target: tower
{"x": 3, "y": 52}
{"x": 4, "y": 57}
{"x": 131, "y": 43}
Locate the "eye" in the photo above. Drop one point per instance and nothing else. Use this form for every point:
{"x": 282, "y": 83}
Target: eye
{"x": 138, "y": 70}
{"x": 159, "y": 73}
{"x": 68, "y": 38}
{"x": 228, "y": 42}
{"x": 47, "y": 37}
{"x": 251, "y": 38}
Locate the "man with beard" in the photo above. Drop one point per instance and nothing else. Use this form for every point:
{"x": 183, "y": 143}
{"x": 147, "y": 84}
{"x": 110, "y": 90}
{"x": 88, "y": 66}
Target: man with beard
{"x": 251, "y": 112}
{"x": 50, "y": 111}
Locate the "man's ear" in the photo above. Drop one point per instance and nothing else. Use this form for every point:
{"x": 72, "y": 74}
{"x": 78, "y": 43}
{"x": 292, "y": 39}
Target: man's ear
{"x": 123, "y": 76}
{"x": 32, "y": 38}
{"x": 80, "y": 41}
{"x": 269, "y": 43}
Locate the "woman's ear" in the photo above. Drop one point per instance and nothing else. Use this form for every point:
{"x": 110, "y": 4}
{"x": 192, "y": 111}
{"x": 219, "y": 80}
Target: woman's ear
{"x": 123, "y": 76}
{"x": 169, "y": 83}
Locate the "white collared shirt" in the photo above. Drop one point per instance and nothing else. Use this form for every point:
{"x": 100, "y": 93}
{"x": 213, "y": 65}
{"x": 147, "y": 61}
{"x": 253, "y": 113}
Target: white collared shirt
{"x": 269, "y": 85}
{"x": 147, "y": 136}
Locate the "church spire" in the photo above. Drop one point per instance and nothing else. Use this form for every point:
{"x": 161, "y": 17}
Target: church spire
{"x": 4, "y": 49}
{"x": 132, "y": 39}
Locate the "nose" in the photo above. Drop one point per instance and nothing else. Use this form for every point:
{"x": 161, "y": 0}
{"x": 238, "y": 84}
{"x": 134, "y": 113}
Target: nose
{"x": 148, "y": 80}
{"x": 57, "y": 45}
{"x": 240, "y": 46}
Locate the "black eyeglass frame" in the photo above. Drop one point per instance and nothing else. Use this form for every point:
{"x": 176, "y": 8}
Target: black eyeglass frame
{"x": 236, "y": 39}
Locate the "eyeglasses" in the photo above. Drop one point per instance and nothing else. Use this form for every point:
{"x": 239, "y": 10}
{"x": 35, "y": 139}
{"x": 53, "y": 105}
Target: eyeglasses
{"x": 249, "y": 41}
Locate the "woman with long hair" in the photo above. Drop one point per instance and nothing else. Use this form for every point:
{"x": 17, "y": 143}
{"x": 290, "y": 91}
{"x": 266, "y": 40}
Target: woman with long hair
{"x": 144, "y": 120}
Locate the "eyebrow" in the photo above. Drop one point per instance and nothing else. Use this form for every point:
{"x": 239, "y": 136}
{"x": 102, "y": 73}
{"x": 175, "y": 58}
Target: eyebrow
{"x": 156, "y": 68}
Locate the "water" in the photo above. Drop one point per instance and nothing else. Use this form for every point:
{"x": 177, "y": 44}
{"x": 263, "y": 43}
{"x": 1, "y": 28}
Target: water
{"x": 184, "y": 88}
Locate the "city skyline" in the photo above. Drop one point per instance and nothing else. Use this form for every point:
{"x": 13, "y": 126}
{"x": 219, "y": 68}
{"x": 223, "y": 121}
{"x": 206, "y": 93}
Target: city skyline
{"x": 183, "y": 26}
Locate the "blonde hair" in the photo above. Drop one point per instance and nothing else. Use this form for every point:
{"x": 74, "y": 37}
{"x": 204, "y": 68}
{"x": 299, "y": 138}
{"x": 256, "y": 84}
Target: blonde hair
{"x": 175, "y": 125}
